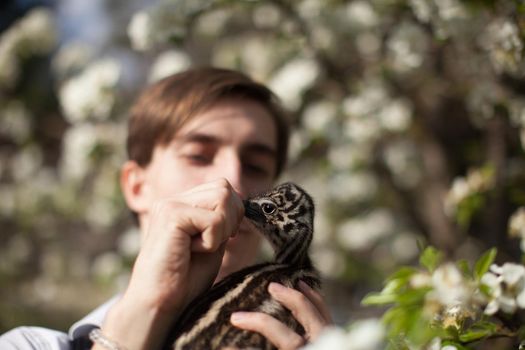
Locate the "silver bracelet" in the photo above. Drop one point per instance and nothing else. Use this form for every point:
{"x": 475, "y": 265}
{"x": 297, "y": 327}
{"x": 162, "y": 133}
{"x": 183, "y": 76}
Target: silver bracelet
{"x": 97, "y": 337}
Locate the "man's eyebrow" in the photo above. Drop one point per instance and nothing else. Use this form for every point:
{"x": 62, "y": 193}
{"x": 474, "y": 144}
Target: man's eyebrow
{"x": 260, "y": 148}
{"x": 198, "y": 137}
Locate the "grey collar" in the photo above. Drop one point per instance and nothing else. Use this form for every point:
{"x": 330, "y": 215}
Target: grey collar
{"x": 92, "y": 320}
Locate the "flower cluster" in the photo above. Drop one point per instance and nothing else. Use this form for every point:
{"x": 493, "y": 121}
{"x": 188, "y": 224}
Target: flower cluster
{"x": 506, "y": 285}
{"x": 91, "y": 95}
{"x": 465, "y": 196}
{"x": 34, "y": 34}
{"x": 449, "y": 303}
{"x": 366, "y": 334}
{"x": 390, "y": 99}
{"x": 516, "y": 226}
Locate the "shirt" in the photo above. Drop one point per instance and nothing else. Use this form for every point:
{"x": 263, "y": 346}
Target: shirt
{"x": 38, "y": 338}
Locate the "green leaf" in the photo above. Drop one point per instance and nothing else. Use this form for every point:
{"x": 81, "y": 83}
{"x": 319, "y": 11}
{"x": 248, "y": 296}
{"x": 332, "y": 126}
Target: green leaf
{"x": 483, "y": 264}
{"x": 403, "y": 274}
{"x": 464, "y": 267}
{"x": 378, "y": 299}
{"x": 431, "y": 258}
{"x": 477, "y": 331}
{"x": 414, "y": 296}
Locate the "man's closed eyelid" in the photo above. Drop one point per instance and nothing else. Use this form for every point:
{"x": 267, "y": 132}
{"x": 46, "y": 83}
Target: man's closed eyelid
{"x": 198, "y": 158}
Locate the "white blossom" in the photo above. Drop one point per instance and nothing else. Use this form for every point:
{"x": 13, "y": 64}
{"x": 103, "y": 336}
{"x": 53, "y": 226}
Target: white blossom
{"x": 517, "y": 226}
{"x": 459, "y": 191}
{"x": 91, "y": 94}
{"x": 299, "y": 140}
{"x": 347, "y": 156}
{"x": 79, "y": 141}
{"x": 368, "y": 43}
{"x": 450, "y": 288}
{"x": 450, "y": 9}
{"x": 267, "y": 16}
{"x": 422, "y": 9}
{"x": 36, "y": 32}
{"x": 102, "y": 210}
{"x": 501, "y": 39}
{"x": 420, "y": 280}
{"x": 26, "y": 163}
{"x": 33, "y": 34}
{"x": 370, "y": 99}
{"x": 129, "y": 242}
{"x": 140, "y": 31}
{"x": 167, "y": 63}
{"x": 330, "y": 338}
{"x": 352, "y": 186}
{"x": 106, "y": 265}
{"x": 396, "y": 115}
{"x": 293, "y": 79}
{"x": 317, "y": 116}
{"x": 72, "y": 57}
{"x": 310, "y": 9}
{"x": 401, "y": 159}
{"x": 8, "y": 202}
{"x": 212, "y": 23}
{"x": 328, "y": 261}
{"x": 507, "y": 288}
{"x": 367, "y": 334}
{"x": 362, "y": 14}
{"x": 476, "y": 181}
{"x": 8, "y": 60}
{"x": 15, "y": 121}
{"x": 407, "y": 47}
{"x": 323, "y": 37}
{"x": 435, "y": 344}
{"x": 164, "y": 21}
{"x": 362, "y": 232}
{"x": 404, "y": 246}
{"x": 362, "y": 130}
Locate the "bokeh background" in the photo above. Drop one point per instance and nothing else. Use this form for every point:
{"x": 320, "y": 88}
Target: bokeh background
{"x": 409, "y": 123}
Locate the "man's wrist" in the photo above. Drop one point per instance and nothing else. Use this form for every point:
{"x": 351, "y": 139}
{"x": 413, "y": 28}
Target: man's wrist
{"x": 137, "y": 324}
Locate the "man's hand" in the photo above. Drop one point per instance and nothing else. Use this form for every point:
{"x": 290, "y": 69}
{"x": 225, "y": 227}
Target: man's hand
{"x": 306, "y": 305}
{"x": 179, "y": 258}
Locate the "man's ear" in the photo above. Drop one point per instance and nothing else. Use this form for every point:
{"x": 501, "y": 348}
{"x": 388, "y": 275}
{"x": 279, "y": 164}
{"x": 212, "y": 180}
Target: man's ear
{"x": 134, "y": 186}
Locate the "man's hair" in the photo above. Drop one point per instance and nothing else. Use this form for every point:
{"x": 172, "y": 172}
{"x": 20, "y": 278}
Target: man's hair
{"x": 164, "y": 107}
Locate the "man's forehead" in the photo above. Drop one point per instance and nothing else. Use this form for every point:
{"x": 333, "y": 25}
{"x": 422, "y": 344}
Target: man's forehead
{"x": 241, "y": 121}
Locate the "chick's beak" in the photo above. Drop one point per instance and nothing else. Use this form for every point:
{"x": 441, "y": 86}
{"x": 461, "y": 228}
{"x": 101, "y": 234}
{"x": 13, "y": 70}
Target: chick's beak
{"x": 253, "y": 211}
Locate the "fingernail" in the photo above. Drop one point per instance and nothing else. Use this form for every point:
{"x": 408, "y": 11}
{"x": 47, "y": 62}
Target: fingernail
{"x": 276, "y": 288}
{"x": 238, "y": 317}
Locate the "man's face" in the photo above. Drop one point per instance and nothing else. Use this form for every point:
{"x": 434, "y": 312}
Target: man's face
{"x": 236, "y": 140}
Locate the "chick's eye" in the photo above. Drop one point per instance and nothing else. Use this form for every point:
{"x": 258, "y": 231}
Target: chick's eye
{"x": 268, "y": 208}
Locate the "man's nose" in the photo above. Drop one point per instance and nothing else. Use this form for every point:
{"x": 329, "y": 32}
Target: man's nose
{"x": 230, "y": 168}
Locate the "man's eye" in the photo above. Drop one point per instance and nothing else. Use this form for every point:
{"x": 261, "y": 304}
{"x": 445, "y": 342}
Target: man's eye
{"x": 198, "y": 158}
{"x": 255, "y": 169}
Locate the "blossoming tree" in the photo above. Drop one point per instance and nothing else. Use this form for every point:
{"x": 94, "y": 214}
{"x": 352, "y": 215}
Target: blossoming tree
{"x": 410, "y": 131}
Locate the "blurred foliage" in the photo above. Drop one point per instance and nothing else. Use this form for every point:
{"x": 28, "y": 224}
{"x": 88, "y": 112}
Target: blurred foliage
{"x": 409, "y": 119}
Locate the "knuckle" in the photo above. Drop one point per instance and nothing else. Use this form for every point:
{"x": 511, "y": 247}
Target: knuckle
{"x": 222, "y": 182}
{"x": 218, "y": 222}
{"x": 223, "y": 193}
